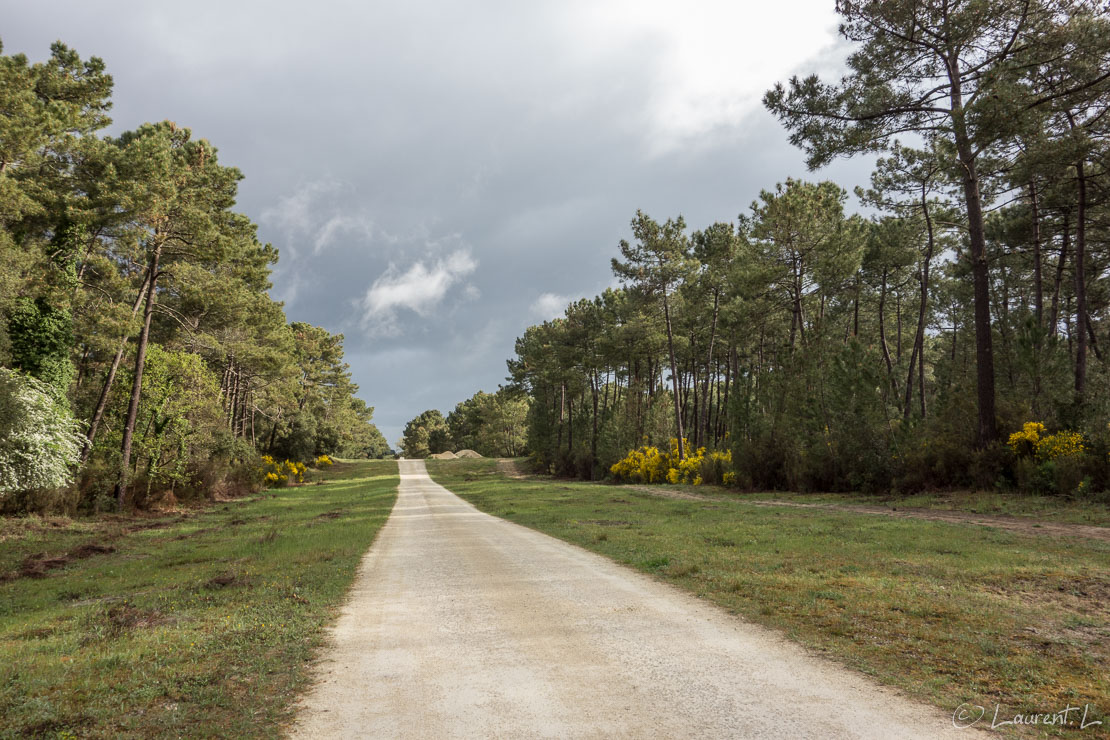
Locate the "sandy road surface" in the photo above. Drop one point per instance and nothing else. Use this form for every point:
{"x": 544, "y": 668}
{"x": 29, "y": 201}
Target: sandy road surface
{"x": 464, "y": 625}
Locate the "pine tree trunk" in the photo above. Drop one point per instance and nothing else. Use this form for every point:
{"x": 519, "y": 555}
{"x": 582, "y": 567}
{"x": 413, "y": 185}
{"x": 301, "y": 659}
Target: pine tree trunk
{"x": 137, "y": 384}
{"x": 921, "y": 379}
{"x": 562, "y": 406}
{"x": 1065, "y": 244}
{"x": 674, "y": 377}
{"x": 984, "y": 343}
{"x": 593, "y": 435}
{"x": 882, "y": 335}
{"x": 1080, "y": 287}
{"x": 1091, "y": 336}
{"x": 704, "y": 421}
{"x": 102, "y": 401}
{"x": 570, "y": 427}
{"x": 918, "y": 352}
{"x": 1038, "y": 284}
{"x": 898, "y": 326}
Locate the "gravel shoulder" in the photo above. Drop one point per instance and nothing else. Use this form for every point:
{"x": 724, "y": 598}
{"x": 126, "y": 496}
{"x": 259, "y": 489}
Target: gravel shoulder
{"x": 461, "y": 624}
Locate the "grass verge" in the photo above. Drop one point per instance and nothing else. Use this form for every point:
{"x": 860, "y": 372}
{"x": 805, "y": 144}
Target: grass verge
{"x": 950, "y": 613}
{"x": 195, "y": 624}
{"x": 992, "y": 503}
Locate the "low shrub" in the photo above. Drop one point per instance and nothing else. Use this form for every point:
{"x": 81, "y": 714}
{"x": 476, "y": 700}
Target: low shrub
{"x": 649, "y": 464}
{"x": 277, "y": 475}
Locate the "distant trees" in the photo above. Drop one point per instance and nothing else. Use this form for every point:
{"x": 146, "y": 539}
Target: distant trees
{"x": 491, "y": 424}
{"x": 425, "y": 435}
{"x": 135, "y": 298}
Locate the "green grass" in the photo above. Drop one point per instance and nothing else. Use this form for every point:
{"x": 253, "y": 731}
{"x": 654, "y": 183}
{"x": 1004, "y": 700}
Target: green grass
{"x": 200, "y": 624}
{"x": 1095, "y": 512}
{"x": 950, "y": 613}
{"x": 1042, "y": 508}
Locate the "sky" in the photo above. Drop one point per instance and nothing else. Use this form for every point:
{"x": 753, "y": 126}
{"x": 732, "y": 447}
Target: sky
{"x": 440, "y": 175}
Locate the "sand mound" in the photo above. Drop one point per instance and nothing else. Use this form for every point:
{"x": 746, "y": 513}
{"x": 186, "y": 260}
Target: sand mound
{"x": 467, "y": 453}
{"x": 443, "y": 456}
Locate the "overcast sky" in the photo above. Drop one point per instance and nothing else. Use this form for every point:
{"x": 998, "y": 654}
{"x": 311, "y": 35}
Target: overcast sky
{"x": 440, "y": 175}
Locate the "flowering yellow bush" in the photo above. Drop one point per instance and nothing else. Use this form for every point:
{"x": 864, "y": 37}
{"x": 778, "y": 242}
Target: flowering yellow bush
{"x": 322, "y": 461}
{"x": 295, "y": 470}
{"x": 276, "y": 474}
{"x": 688, "y": 470}
{"x": 645, "y": 465}
{"x": 272, "y": 473}
{"x": 1061, "y": 444}
{"x": 1024, "y": 443}
{"x": 649, "y": 465}
{"x": 1029, "y": 442}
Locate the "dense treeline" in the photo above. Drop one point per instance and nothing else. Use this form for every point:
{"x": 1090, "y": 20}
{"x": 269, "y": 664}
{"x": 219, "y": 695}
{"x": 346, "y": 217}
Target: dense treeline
{"x": 491, "y": 424}
{"x": 139, "y": 346}
{"x": 901, "y": 348}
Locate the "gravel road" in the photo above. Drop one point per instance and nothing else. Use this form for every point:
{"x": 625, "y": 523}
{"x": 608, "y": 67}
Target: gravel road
{"x": 464, "y": 625}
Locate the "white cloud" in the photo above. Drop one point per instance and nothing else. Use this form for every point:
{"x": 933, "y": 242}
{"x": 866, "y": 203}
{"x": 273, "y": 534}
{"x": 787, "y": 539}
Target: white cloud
{"x": 420, "y": 289}
{"x": 296, "y": 213}
{"x": 313, "y": 215}
{"x": 340, "y": 224}
{"x": 711, "y": 60}
{"x": 550, "y": 305}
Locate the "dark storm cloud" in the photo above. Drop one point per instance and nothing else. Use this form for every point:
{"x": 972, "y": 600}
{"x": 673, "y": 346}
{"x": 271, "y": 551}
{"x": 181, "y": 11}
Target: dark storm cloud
{"x": 439, "y": 175}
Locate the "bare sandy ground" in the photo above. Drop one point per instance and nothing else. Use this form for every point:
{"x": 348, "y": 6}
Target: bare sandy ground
{"x": 462, "y": 625}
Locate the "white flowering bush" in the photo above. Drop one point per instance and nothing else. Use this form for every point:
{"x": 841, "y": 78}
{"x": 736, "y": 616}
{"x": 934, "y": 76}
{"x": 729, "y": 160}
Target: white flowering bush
{"x": 40, "y": 441}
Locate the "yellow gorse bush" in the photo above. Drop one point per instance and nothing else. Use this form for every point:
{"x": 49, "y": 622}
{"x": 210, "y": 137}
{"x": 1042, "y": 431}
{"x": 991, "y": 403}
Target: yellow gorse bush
{"x": 1024, "y": 443}
{"x": 322, "y": 461}
{"x": 276, "y": 474}
{"x": 649, "y": 464}
{"x": 295, "y": 470}
{"x": 1061, "y": 444}
{"x": 645, "y": 465}
{"x": 1029, "y": 442}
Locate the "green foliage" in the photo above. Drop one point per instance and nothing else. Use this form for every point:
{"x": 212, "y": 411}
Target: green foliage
{"x": 40, "y": 338}
{"x": 88, "y": 224}
{"x": 491, "y": 424}
{"x": 179, "y": 418}
{"x": 425, "y": 435}
{"x": 298, "y": 439}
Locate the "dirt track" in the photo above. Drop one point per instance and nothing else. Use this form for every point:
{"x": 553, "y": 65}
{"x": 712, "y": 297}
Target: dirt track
{"x": 464, "y": 625}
